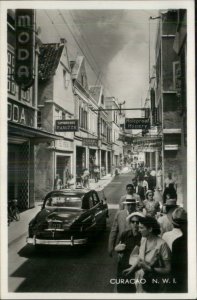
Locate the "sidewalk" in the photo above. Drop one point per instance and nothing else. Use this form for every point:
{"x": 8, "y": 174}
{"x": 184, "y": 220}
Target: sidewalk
{"x": 18, "y": 229}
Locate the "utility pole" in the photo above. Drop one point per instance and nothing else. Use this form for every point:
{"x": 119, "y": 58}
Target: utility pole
{"x": 121, "y": 106}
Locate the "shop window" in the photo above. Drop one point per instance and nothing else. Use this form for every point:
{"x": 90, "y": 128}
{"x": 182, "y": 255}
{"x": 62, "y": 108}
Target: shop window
{"x": 177, "y": 76}
{"x": 57, "y": 114}
{"x": 9, "y": 86}
{"x": 39, "y": 119}
{"x": 13, "y": 88}
{"x": 66, "y": 78}
{"x": 83, "y": 80}
{"x": 10, "y": 72}
{"x": 83, "y": 118}
{"x": 9, "y": 58}
{"x": 102, "y": 99}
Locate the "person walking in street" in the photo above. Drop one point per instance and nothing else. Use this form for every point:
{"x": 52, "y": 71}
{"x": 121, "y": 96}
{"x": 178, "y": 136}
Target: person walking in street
{"x": 140, "y": 189}
{"x": 165, "y": 221}
{"x": 120, "y": 224}
{"x": 140, "y": 173}
{"x": 152, "y": 180}
{"x": 128, "y": 241}
{"x": 169, "y": 181}
{"x": 169, "y": 193}
{"x": 85, "y": 177}
{"x": 130, "y": 191}
{"x": 96, "y": 173}
{"x": 151, "y": 206}
{"x": 145, "y": 185}
{"x": 154, "y": 260}
{"x": 159, "y": 179}
{"x": 57, "y": 182}
{"x": 71, "y": 182}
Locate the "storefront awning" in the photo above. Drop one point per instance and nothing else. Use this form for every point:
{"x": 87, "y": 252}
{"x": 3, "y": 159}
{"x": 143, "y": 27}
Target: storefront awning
{"x": 37, "y": 135}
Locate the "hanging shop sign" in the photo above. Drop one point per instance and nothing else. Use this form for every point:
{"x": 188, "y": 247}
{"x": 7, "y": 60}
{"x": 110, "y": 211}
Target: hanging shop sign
{"x": 171, "y": 147}
{"x": 145, "y": 141}
{"x": 25, "y": 48}
{"x": 147, "y": 145}
{"x": 90, "y": 142}
{"x": 67, "y": 125}
{"x": 137, "y": 123}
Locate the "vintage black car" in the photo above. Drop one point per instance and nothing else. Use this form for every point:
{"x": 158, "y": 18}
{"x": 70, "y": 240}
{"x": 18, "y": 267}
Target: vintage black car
{"x": 69, "y": 217}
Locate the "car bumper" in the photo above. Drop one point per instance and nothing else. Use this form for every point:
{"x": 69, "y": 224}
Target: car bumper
{"x": 69, "y": 242}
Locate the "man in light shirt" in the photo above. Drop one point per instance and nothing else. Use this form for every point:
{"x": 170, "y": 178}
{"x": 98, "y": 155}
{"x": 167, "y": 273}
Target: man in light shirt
{"x": 176, "y": 232}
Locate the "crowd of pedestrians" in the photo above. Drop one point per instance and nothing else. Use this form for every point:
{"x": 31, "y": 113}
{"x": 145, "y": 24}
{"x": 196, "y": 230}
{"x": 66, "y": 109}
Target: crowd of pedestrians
{"x": 149, "y": 238}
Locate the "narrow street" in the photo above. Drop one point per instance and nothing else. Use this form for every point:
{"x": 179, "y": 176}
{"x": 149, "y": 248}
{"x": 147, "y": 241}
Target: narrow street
{"x": 98, "y": 97}
{"x": 67, "y": 270}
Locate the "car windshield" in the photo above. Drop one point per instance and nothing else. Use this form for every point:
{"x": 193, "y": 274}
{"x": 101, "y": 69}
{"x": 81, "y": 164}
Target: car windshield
{"x": 73, "y": 201}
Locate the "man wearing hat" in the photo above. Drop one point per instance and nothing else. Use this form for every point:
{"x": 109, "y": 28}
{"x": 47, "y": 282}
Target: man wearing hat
{"x": 129, "y": 242}
{"x": 130, "y": 191}
{"x": 165, "y": 221}
{"x": 120, "y": 224}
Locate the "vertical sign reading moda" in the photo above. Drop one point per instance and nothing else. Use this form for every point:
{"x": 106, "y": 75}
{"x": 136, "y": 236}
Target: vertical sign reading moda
{"x": 24, "y": 51}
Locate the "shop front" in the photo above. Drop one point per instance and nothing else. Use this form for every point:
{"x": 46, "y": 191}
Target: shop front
{"x": 109, "y": 161}
{"x": 103, "y": 162}
{"x": 92, "y": 161}
{"x": 80, "y": 160}
{"x": 22, "y": 141}
{"x": 18, "y": 172}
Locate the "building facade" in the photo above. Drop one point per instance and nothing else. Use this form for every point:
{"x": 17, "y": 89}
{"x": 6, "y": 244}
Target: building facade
{"x": 170, "y": 55}
{"x": 115, "y": 119}
{"x": 104, "y": 131}
{"x": 23, "y": 133}
{"x": 55, "y": 102}
{"x": 86, "y": 139}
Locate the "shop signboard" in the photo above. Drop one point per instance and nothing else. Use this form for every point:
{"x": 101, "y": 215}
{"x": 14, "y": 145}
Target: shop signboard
{"x": 20, "y": 114}
{"x": 147, "y": 145}
{"x": 64, "y": 145}
{"x": 67, "y": 125}
{"x": 90, "y": 142}
{"x": 24, "y": 51}
{"x": 171, "y": 147}
{"x": 137, "y": 123}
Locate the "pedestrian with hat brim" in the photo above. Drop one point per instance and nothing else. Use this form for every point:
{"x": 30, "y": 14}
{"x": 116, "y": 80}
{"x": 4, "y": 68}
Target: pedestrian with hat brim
{"x": 129, "y": 240}
{"x": 120, "y": 224}
{"x": 165, "y": 221}
{"x": 154, "y": 259}
{"x": 131, "y": 191}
